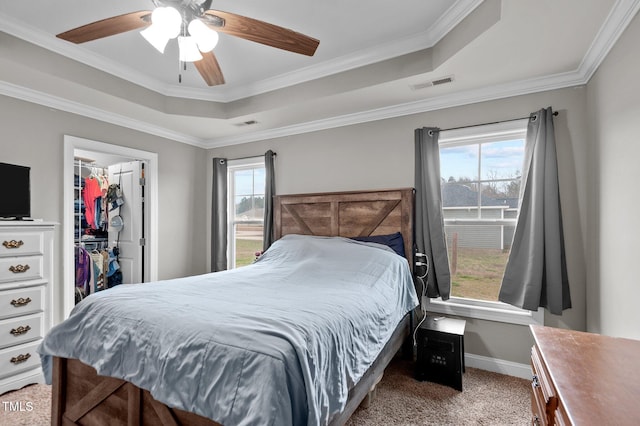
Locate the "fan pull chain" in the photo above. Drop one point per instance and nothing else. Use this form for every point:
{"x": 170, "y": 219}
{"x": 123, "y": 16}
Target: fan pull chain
{"x": 182, "y": 66}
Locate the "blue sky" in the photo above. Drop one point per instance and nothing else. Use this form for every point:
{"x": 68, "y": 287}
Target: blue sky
{"x": 247, "y": 180}
{"x": 502, "y": 158}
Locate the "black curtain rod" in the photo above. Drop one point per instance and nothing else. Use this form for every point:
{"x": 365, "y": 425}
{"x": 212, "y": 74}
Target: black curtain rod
{"x": 251, "y": 156}
{"x": 555, "y": 113}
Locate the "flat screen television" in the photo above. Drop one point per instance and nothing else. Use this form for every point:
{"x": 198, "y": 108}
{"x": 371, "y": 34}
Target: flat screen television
{"x": 15, "y": 192}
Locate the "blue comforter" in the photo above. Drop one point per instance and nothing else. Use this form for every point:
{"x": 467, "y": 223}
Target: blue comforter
{"x": 277, "y": 342}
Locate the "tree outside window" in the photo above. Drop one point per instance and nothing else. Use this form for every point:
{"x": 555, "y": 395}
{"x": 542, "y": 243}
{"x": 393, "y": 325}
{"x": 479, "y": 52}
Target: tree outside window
{"x": 246, "y": 218}
{"x": 480, "y": 186}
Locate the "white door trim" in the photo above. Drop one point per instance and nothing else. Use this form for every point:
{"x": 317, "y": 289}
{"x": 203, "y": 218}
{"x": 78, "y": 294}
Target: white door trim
{"x": 72, "y": 143}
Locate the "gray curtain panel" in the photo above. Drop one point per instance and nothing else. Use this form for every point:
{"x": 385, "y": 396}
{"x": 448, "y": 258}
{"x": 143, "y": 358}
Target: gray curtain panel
{"x": 269, "y": 193}
{"x": 536, "y": 272}
{"x": 219, "y": 216}
{"x": 429, "y": 226}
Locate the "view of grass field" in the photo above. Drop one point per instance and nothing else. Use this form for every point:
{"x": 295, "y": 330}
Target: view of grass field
{"x": 478, "y": 274}
{"x": 245, "y": 251}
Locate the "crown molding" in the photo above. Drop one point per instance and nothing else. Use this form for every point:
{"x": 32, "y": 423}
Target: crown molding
{"x": 467, "y": 97}
{"x": 616, "y": 22}
{"x": 614, "y": 25}
{"x": 39, "y": 38}
{"x": 45, "y": 99}
{"x": 426, "y": 39}
{"x": 452, "y": 17}
{"x": 618, "y": 19}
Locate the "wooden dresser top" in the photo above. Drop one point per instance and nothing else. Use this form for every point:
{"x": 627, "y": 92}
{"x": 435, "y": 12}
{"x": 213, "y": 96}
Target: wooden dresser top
{"x": 597, "y": 377}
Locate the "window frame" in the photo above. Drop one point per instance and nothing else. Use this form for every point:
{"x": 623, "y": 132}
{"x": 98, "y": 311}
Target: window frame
{"x": 233, "y": 166}
{"x": 475, "y": 308}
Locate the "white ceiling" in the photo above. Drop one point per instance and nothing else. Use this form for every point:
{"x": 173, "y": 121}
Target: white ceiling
{"x": 370, "y": 56}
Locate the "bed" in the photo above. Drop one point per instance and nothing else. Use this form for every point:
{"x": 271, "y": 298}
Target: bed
{"x": 161, "y": 362}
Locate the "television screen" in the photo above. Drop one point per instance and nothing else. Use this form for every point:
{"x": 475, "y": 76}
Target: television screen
{"x": 15, "y": 191}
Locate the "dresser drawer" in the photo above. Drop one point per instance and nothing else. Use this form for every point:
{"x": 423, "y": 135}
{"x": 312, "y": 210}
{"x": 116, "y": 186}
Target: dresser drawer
{"x": 21, "y": 243}
{"x": 15, "y": 331}
{"x": 542, "y": 377}
{"x": 543, "y": 394}
{"x": 21, "y": 301}
{"x": 21, "y": 268}
{"x": 538, "y": 404}
{"x": 17, "y": 359}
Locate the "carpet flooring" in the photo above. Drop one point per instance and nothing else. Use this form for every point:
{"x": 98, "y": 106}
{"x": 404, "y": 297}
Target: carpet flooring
{"x": 488, "y": 399}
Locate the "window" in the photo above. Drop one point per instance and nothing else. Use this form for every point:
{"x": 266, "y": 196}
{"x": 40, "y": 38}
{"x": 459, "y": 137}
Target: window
{"x": 246, "y": 180}
{"x": 480, "y": 182}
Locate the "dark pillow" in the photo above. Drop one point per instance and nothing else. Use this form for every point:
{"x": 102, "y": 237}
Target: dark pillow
{"x": 395, "y": 241}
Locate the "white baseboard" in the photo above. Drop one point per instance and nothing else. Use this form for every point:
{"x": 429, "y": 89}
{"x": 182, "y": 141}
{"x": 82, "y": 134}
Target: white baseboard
{"x": 498, "y": 366}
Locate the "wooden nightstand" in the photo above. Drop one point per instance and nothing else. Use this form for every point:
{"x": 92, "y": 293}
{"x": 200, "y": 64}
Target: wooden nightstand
{"x": 440, "y": 342}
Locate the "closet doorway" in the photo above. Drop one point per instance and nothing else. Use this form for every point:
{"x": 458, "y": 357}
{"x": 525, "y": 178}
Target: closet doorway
{"x": 135, "y": 173}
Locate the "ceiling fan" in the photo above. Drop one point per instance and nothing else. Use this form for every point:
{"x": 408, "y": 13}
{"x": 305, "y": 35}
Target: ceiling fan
{"x": 183, "y": 19}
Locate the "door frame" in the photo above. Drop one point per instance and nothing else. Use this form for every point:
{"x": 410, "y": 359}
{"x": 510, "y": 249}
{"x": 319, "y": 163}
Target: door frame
{"x": 71, "y": 143}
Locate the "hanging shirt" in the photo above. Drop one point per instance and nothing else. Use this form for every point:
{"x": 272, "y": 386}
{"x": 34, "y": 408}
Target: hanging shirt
{"x": 104, "y": 185}
{"x": 83, "y": 269}
{"x": 90, "y": 192}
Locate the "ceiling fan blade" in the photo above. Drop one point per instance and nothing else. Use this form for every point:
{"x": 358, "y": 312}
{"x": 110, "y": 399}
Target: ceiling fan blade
{"x": 265, "y": 33}
{"x": 209, "y": 69}
{"x": 108, "y": 27}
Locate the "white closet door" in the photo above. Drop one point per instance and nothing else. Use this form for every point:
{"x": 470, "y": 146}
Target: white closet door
{"x": 129, "y": 239}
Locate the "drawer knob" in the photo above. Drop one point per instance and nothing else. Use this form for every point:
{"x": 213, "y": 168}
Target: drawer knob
{"x": 20, "y": 358}
{"x": 535, "y": 381}
{"x": 20, "y": 330}
{"x": 13, "y": 244}
{"x": 19, "y": 269}
{"x": 21, "y": 302}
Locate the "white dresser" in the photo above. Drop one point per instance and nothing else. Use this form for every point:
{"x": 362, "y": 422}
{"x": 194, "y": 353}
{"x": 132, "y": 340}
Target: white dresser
{"x": 26, "y": 294}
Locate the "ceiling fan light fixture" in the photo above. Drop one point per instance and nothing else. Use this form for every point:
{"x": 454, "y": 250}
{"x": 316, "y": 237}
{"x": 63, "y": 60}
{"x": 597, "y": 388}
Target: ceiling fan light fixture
{"x": 188, "y": 49}
{"x": 168, "y": 20}
{"x": 166, "y": 23}
{"x": 155, "y": 37}
{"x": 205, "y": 37}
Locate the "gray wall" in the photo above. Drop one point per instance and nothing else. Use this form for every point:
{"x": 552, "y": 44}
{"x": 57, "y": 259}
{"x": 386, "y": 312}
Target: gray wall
{"x": 597, "y": 151}
{"x": 32, "y": 135}
{"x": 380, "y": 155}
{"x": 614, "y": 229}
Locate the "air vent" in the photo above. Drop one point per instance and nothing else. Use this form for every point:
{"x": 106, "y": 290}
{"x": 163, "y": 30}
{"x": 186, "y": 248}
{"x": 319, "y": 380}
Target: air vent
{"x": 444, "y": 80}
{"x": 426, "y": 84}
{"x": 247, "y": 123}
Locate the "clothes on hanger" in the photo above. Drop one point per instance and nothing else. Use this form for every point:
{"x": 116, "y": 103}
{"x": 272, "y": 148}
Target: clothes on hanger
{"x": 96, "y": 270}
{"x": 97, "y": 266}
{"x": 90, "y": 193}
{"x": 94, "y": 193}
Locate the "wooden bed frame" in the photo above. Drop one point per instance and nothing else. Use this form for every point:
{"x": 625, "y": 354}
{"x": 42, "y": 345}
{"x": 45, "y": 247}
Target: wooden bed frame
{"x": 82, "y": 397}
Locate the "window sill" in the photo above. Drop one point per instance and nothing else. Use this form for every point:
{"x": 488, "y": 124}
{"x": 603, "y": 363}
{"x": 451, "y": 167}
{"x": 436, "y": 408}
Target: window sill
{"x": 492, "y": 311}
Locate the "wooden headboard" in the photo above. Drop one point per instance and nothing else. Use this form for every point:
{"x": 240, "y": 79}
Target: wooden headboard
{"x": 347, "y": 214}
